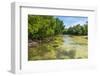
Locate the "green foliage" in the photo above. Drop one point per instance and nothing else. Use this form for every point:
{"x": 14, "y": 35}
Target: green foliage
{"x": 40, "y": 27}
{"x": 77, "y": 30}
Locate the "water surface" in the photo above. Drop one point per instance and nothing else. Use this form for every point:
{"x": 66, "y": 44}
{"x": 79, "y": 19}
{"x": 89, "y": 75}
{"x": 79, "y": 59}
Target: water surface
{"x": 63, "y": 47}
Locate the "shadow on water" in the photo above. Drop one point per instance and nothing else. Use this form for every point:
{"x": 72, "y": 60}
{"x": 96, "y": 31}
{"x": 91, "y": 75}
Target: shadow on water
{"x": 62, "y": 54}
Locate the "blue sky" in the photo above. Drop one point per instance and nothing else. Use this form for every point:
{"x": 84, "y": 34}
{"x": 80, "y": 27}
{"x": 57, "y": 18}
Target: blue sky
{"x": 72, "y": 20}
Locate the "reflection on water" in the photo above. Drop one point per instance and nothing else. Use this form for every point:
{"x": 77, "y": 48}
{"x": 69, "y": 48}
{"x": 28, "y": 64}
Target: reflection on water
{"x": 64, "y": 47}
{"x": 73, "y": 47}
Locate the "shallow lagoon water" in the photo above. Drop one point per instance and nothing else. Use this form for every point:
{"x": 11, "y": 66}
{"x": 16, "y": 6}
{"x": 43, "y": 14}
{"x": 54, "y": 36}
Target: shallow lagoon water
{"x": 71, "y": 47}
{"x": 74, "y": 47}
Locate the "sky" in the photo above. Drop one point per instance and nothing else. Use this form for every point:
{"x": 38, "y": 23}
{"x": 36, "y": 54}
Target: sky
{"x": 72, "y": 20}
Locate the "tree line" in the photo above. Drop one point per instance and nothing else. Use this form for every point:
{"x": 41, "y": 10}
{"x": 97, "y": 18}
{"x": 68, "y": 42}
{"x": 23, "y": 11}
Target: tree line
{"x": 40, "y": 27}
{"x": 77, "y": 30}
